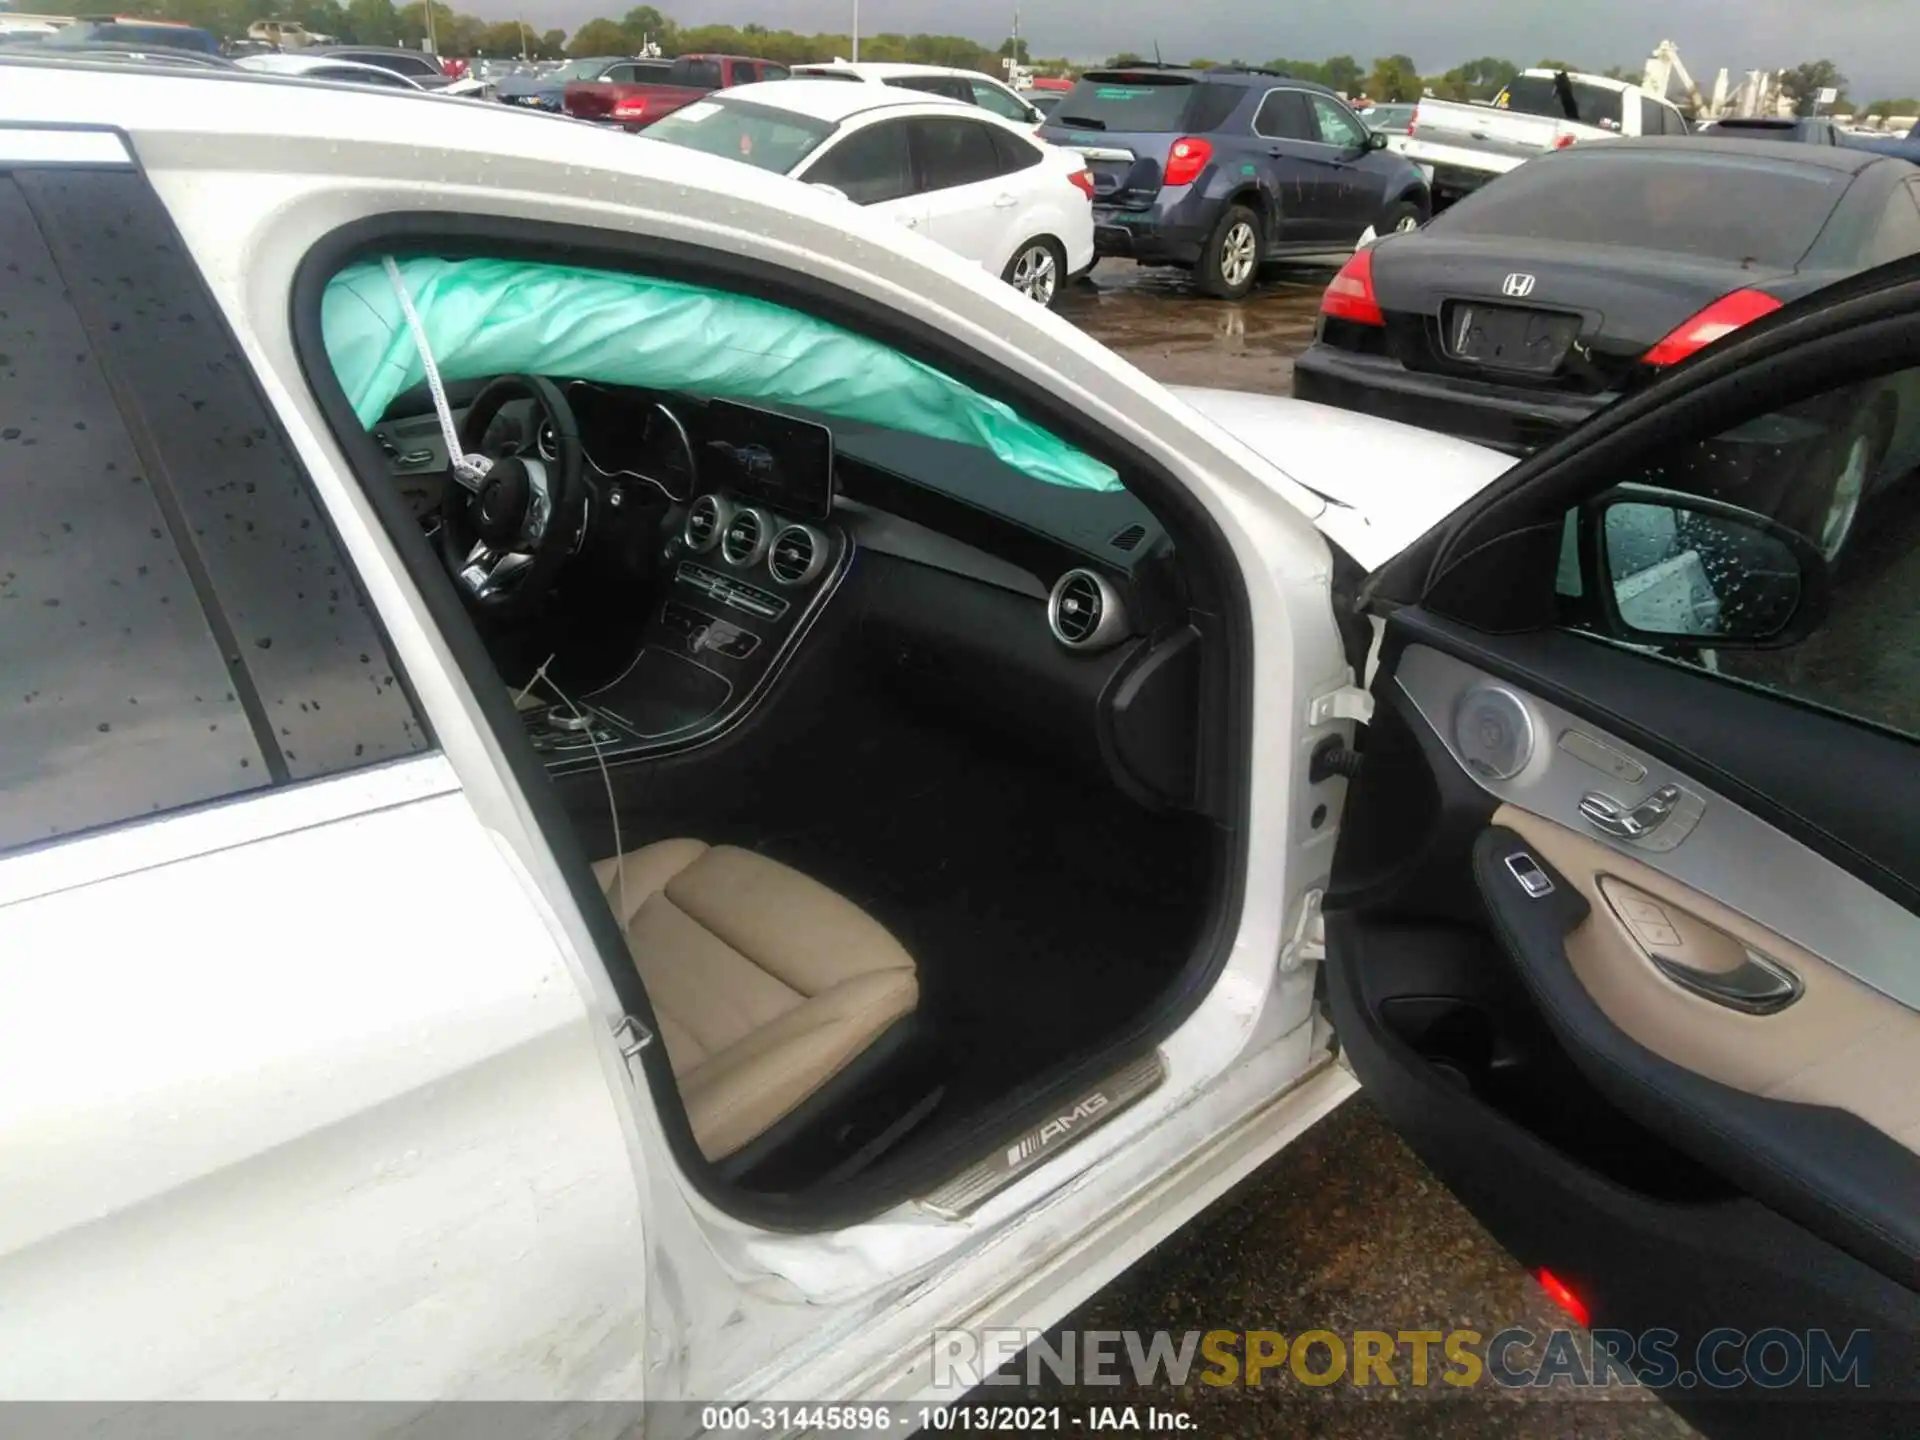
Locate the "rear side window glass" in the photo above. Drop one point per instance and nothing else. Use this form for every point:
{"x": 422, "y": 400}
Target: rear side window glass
{"x": 773, "y": 72}
{"x": 1141, "y": 104}
{"x": 955, "y": 152}
{"x": 1680, "y": 201}
{"x": 1285, "y": 115}
{"x": 177, "y": 624}
{"x": 1013, "y": 152}
{"x": 1650, "y": 116}
{"x": 703, "y": 74}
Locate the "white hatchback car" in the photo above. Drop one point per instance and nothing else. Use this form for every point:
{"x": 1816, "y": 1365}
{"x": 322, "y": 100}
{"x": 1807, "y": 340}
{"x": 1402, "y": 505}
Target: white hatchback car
{"x": 1016, "y": 206}
{"x": 617, "y": 782}
{"x": 968, "y": 86}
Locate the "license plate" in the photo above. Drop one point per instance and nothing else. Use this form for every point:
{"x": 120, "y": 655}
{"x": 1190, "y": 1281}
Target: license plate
{"x": 1502, "y": 337}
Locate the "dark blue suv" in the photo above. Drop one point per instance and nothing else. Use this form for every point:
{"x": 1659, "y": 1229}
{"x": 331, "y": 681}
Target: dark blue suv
{"x": 1219, "y": 170}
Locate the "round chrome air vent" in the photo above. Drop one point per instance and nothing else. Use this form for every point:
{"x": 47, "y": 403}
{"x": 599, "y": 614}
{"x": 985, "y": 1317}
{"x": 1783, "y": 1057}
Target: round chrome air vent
{"x": 1084, "y": 611}
{"x": 706, "y": 520}
{"x": 744, "y": 540}
{"x": 797, "y": 554}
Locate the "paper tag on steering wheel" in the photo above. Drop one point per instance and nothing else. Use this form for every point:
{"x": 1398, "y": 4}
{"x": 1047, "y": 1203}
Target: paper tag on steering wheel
{"x": 474, "y": 467}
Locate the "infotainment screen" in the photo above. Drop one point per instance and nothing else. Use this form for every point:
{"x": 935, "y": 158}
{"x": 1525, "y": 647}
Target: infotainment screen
{"x": 773, "y": 460}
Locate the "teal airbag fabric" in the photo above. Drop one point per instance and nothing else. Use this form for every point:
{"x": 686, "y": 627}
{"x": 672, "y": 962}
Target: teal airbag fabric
{"x": 499, "y": 317}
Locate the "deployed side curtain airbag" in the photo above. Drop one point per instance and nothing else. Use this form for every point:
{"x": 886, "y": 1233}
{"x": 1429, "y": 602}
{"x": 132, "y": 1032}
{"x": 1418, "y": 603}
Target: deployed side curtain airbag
{"x": 499, "y": 317}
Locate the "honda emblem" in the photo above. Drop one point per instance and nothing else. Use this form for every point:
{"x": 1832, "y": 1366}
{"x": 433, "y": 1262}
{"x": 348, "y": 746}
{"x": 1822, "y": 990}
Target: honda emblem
{"x": 1517, "y": 285}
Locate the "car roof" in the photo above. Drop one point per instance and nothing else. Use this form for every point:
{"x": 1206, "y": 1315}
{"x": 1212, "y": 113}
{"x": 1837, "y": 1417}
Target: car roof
{"x": 833, "y": 103}
{"x": 304, "y": 63}
{"x": 1787, "y": 152}
{"x": 888, "y": 69}
{"x": 1246, "y": 76}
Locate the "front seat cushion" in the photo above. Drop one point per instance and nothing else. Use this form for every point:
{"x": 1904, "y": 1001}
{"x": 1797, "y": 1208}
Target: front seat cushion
{"x": 766, "y": 984}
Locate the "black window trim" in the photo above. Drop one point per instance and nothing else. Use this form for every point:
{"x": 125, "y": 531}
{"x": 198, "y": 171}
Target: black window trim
{"x": 1218, "y": 602}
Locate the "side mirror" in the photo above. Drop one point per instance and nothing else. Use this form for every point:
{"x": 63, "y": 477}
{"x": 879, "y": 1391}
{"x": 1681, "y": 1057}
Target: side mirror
{"x": 833, "y": 190}
{"x": 1376, "y": 140}
{"x": 1683, "y": 572}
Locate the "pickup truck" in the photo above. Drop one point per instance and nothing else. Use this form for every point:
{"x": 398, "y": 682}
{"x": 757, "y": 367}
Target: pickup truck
{"x": 1460, "y": 147}
{"x": 635, "y": 105}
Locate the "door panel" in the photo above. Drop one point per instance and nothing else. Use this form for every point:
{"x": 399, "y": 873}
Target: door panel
{"x": 1679, "y": 1164}
{"x": 1833, "y": 1042}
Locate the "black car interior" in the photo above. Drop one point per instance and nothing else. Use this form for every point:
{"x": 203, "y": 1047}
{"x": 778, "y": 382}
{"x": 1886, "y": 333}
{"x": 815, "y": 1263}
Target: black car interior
{"x": 969, "y": 703}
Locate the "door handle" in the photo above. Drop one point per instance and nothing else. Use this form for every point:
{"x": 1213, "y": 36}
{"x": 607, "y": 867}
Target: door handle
{"x": 1659, "y": 822}
{"x": 1002, "y": 202}
{"x": 1758, "y": 985}
{"x": 912, "y": 222}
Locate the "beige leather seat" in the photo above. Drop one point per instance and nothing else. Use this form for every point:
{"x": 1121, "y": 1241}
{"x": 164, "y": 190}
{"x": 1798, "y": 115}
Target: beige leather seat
{"x": 766, "y": 984}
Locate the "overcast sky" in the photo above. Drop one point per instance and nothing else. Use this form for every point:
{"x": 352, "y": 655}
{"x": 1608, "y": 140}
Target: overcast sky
{"x": 1876, "y": 43}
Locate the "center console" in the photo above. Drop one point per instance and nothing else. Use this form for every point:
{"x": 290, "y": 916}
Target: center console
{"x": 755, "y": 559}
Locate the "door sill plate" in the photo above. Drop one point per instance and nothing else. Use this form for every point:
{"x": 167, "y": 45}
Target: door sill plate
{"x": 982, "y": 1180}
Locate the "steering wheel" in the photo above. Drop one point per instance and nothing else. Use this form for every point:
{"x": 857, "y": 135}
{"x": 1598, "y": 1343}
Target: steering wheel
{"x": 505, "y": 536}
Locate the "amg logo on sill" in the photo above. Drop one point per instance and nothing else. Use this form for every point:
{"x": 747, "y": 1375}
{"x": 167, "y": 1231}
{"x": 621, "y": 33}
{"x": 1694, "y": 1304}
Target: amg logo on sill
{"x": 1056, "y": 1128}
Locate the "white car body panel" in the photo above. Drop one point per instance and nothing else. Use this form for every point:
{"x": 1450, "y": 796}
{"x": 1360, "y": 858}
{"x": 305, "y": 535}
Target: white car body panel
{"x": 299, "y": 1166}
{"x": 399, "y": 1219}
{"x": 1398, "y": 480}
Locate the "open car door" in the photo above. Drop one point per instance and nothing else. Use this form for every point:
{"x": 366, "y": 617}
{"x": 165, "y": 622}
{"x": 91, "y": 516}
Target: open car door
{"x": 1624, "y": 933}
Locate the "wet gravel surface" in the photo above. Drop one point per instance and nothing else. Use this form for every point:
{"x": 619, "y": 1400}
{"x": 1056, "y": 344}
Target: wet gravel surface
{"x": 1162, "y": 324}
{"x": 1346, "y": 1230}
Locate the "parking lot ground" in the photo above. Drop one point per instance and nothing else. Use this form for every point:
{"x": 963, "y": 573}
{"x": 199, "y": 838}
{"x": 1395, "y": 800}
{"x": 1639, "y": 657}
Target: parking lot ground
{"x": 1158, "y": 320}
{"x": 1346, "y": 1230}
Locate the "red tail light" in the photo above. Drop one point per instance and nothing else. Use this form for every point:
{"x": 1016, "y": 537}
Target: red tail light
{"x": 1082, "y": 180}
{"x": 1413, "y": 120}
{"x": 1561, "y": 1295}
{"x": 1186, "y": 160}
{"x": 1563, "y": 142}
{"x": 1350, "y": 296}
{"x": 1723, "y": 317}
{"x": 633, "y": 108}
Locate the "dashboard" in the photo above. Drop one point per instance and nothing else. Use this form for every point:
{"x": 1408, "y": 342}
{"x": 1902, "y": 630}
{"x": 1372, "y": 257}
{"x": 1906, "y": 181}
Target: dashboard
{"x": 1056, "y": 614}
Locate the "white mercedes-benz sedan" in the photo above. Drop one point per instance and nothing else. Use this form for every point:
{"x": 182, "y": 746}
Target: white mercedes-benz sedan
{"x": 617, "y": 782}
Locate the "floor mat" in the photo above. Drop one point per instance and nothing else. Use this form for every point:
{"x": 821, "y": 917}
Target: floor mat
{"x": 1044, "y": 909}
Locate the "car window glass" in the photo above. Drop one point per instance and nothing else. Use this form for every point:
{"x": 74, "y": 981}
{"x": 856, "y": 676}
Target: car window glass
{"x": 773, "y": 72}
{"x": 177, "y": 624}
{"x": 1284, "y": 115}
{"x": 954, "y": 152}
{"x": 1131, "y": 102}
{"x": 757, "y": 135}
{"x": 997, "y": 101}
{"x": 1898, "y": 234}
{"x": 703, "y": 74}
{"x": 1840, "y": 468}
{"x": 382, "y": 79}
{"x": 621, "y": 74}
{"x": 871, "y": 165}
{"x": 1541, "y": 95}
{"x": 1012, "y": 152}
{"x": 1337, "y": 127}
{"x": 1691, "y": 202}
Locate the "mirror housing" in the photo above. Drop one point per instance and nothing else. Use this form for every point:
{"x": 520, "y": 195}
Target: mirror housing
{"x": 1376, "y": 139}
{"x": 1683, "y": 572}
